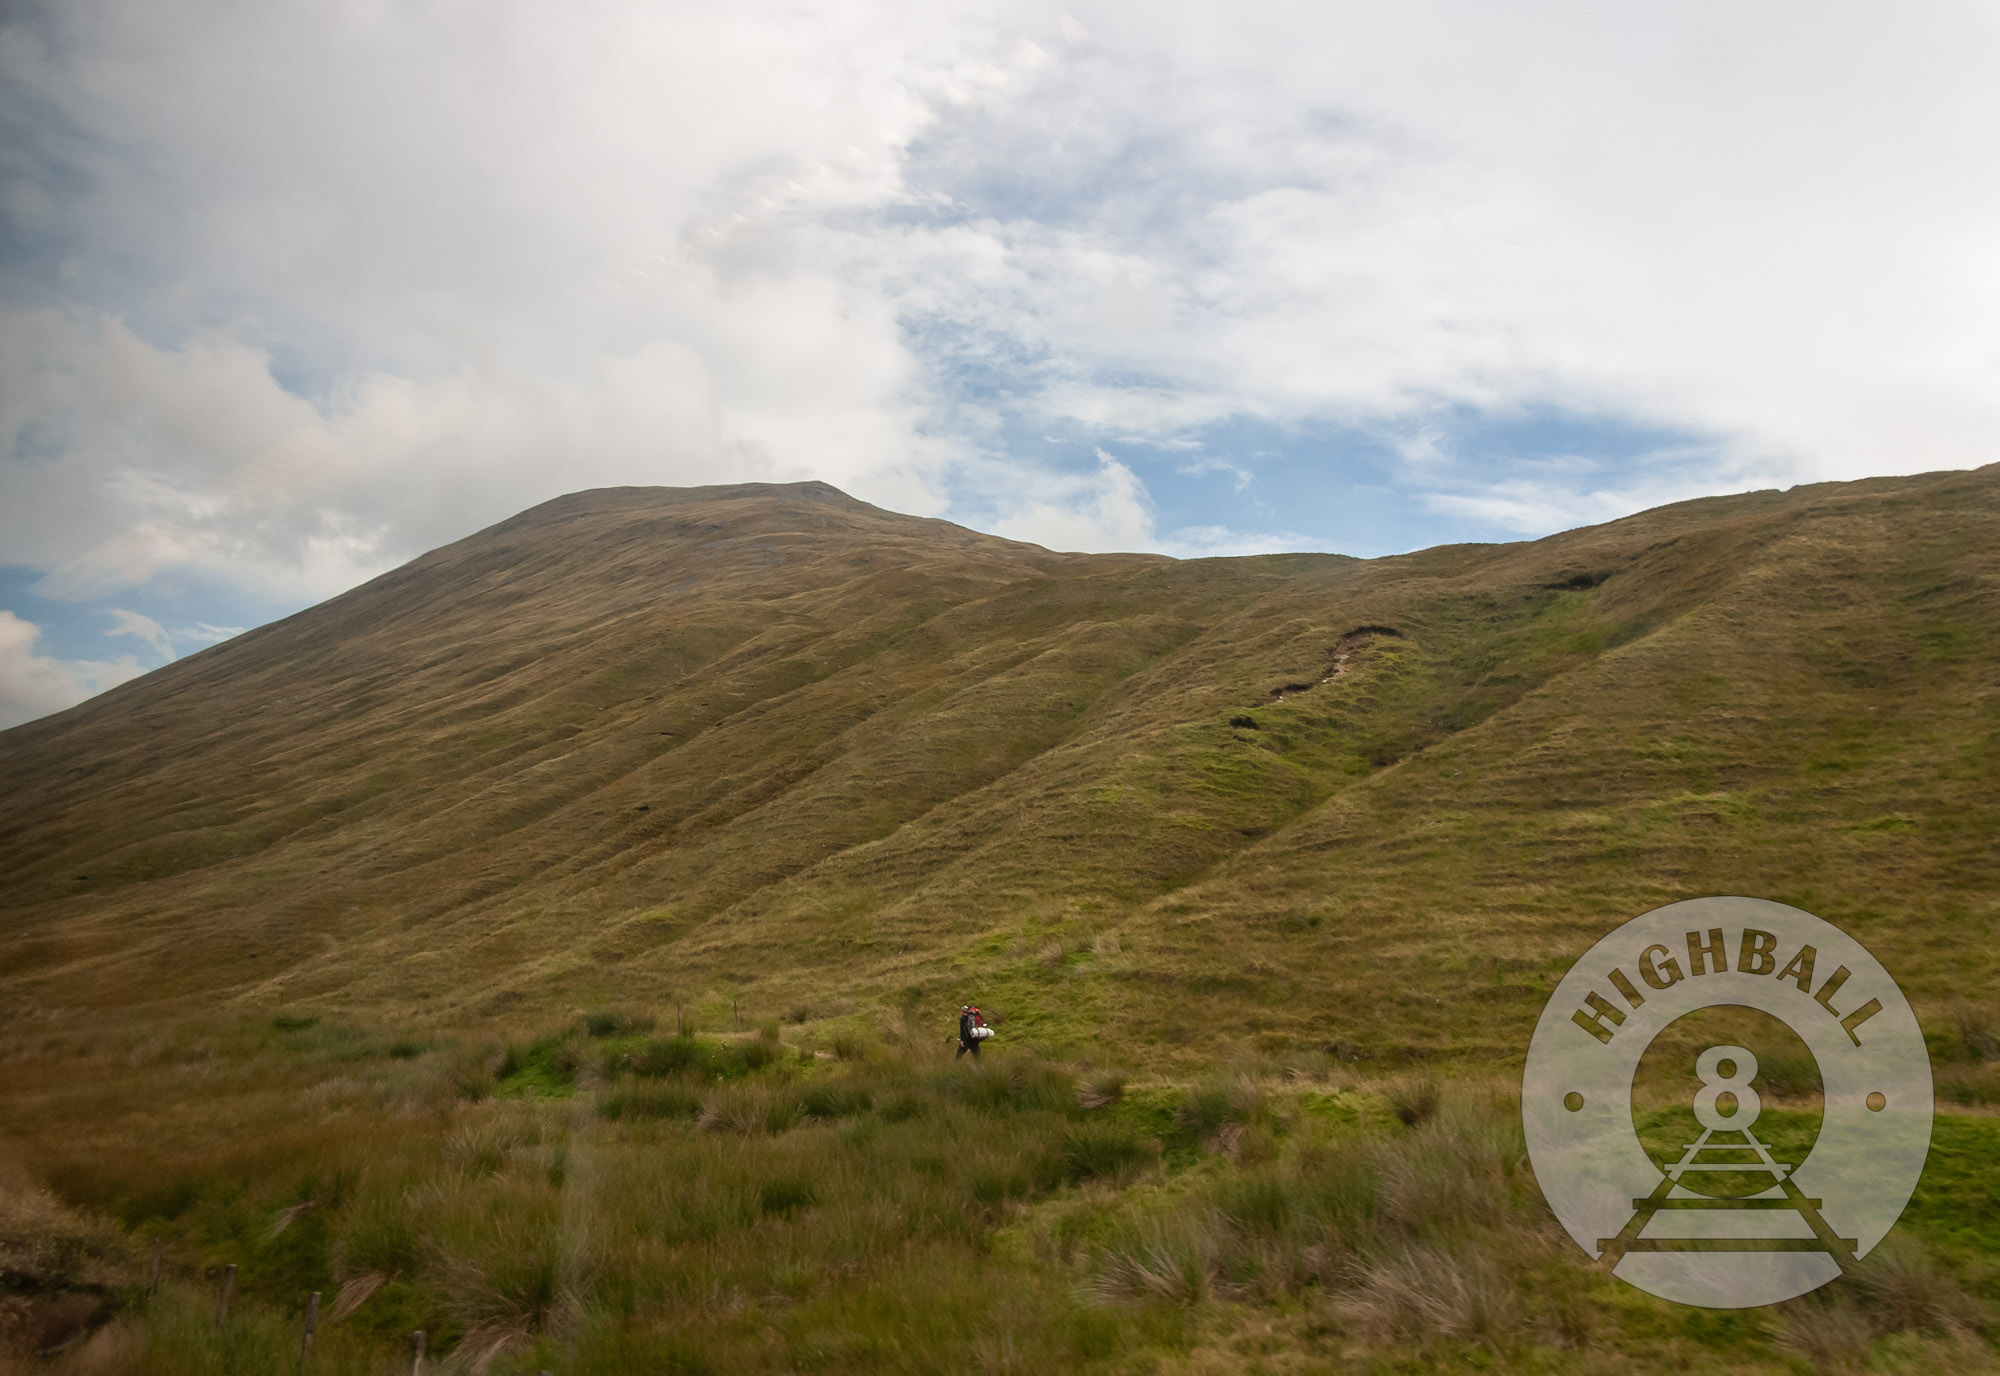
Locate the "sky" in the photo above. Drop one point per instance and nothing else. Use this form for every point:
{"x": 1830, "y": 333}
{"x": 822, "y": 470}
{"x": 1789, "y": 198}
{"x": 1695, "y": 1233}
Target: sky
{"x": 290, "y": 294}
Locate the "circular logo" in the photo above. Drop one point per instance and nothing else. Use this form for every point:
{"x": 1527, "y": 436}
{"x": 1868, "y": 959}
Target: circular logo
{"x": 1727, "y": 1102}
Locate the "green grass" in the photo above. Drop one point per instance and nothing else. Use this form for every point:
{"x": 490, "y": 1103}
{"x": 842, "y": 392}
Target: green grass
{"x": 906, "y": 1213}
{"x": 1958, "y": 1201}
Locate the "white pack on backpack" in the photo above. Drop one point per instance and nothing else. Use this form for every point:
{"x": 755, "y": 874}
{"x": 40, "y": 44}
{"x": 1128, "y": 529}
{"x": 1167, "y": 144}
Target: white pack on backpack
{"x": 981, "y": 1033}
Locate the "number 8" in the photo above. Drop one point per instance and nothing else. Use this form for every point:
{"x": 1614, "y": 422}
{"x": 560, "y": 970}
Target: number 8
{"x": 1714, "y": 1084}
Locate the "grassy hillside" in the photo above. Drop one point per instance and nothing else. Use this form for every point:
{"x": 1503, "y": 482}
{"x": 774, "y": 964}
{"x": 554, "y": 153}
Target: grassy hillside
{"x": 271, "y": 917}
{"x": 771, "y": 746}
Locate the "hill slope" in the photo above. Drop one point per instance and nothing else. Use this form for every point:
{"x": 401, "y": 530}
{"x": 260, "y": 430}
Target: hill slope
{"x": 774, "y": 746}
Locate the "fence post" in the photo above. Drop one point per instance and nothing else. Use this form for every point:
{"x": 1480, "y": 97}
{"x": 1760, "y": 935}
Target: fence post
{"x": 416, "y": 1352}
{"x": 228, "y": 1289}
{"x": 312, "y": 1322}
{"x": 153, "y": 1271}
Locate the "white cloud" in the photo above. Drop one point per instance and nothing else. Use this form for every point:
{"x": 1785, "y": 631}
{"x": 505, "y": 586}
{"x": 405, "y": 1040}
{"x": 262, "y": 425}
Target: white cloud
{"x": 1754, "y": 226}
{"x": 1533, "y": 508}
{"x": 1561, "y": 494}
{"x": 1209, "y": 542}
{"x": 196, "y": 458}
{"x": 295, "y": 292}
{"x": 316, "y": 292}
{"x": 1104, "y": 510}
{"x": 201, "y": 633}
{"x": 1109, "y": 510}
{"x": 33, "y": 685}
{"x": 143, "y": 628}
{"x": 1238, "y": 474}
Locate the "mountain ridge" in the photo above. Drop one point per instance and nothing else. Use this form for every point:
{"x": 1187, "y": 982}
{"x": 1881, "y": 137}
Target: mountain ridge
{"x": 638, "y": 742}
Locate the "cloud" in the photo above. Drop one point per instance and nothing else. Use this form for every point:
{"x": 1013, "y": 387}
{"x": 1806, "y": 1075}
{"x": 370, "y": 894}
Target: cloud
{"x": 1690, "y": 220}
{"x": 143, "y": 628}
{"x": 1103, "y": 510}
{"x": 201, "y": 633}
{"x": 1242, "y": 476}
{"x": 1209, "y": 542}
{"x": 1108, "y": 509}
{"x": 197, "y": 458}
{"x": 1564, "y": 492}
{"x": 1532, "y": 508}
{"x": 292, "y": 293}
{"x": 33, "y": 685}
{"x": 437, "y": 275}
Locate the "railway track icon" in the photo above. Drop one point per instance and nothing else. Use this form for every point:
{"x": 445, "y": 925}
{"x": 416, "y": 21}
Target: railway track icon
{"x": 1720, "y": 1212}
{"x": 1672, "y": 1195}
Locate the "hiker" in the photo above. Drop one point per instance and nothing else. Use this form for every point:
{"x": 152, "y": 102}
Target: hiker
{"x": 972, "y": 1030}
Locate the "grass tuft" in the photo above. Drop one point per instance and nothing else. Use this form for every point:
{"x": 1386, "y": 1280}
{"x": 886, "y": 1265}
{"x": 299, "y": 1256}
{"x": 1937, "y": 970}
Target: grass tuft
{"x": 1217, "y": 1103}
{"x": 786, "y": 1196}
{"x": 45, "y": 1245}
{"x": 1973, "y": 1022}
{"x": 1101, "y": 1090}
{"x": 1103, "y": 1151}
{"x": 1415, "y": 1293}
{"x": 1414, "y": 1102}
{"x": 1902, "y": 1291}
{"x": 651, "y": 1102}
{"x": 616, "y": 1022}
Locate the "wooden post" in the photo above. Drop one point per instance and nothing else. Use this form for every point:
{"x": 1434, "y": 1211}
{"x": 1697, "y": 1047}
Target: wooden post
{"x": 153, "y": 1271}
{"x": 228, "y": 1289}
{"x": 312, "y": 1322}
{"x": 680, "y": 1023}
{"x": 417, "y": 1352}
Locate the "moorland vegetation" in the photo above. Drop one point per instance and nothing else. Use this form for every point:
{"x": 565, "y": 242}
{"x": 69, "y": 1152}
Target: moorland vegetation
{"x": 551, "y": 945}
{"x": 684, "y": 1203}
